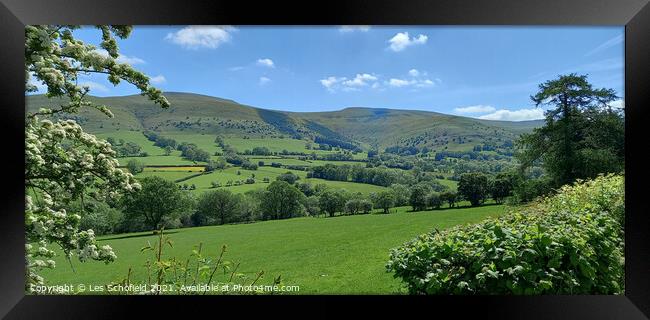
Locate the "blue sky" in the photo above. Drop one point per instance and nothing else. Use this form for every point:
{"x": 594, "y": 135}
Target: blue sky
{"x": 483, "y": 72}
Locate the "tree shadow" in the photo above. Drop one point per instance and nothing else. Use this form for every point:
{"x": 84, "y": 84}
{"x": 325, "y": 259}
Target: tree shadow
{"x": 467, "y": 206}
{"x": 134, "y": 236}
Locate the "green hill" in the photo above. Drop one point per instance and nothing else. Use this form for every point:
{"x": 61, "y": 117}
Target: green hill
{"x": 365, "y": 127}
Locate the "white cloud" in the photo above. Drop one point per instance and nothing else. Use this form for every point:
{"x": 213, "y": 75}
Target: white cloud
{"x": 345, "y": 84}
{"x": 129, "y": 60}
{"x": 330, "y": 82}
{"x": 266, "y": 62}
{"x": 402, "y": 40}
{"x": 515, "y": 115}
{"x": 194, "y": 37}
{"x": 133, "y": 60}
{"x": 414, "y": 72}
{"x": 399, "y": 82}
{"x": 605, "y": 45}
{"x": 94, "y": 86}
{"x": 360, "y": 80}
{"x": 348, "y": 29}
{"x": 418, "y": 83}
{"x": 475, "y": 109}
{"x": 618, "y": 104}
{"x": 264, "y": 81}
{"x": 158, "y": 79}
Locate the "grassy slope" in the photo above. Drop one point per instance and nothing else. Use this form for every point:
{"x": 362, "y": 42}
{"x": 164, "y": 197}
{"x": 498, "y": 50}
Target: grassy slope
{"x": 208, "y": 115}
{"x": 322, "y": 255}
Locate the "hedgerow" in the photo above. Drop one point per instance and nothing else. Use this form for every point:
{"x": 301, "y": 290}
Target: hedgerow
{"x": 570, "y": 243}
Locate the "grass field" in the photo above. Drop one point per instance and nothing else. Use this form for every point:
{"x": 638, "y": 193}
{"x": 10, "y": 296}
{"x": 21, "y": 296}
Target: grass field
{"x": 158, "y": 160}
{"x": 340, "y": 255}
{"x": 168, "y": 175}
{"x": 136, "y": 137}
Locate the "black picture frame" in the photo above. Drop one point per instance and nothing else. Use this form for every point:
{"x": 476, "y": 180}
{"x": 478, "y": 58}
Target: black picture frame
{"x": 634, "y": 14}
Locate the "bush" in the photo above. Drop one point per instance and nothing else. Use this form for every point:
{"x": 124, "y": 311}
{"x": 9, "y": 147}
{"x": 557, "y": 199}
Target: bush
{"x": 135, "y": 166}
{"x": 249, "y": 166}
{"x": 570, "y": 243}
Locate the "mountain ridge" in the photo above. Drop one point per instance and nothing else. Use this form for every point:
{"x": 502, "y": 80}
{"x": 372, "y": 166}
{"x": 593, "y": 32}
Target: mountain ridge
{"x": 364, "y": 126}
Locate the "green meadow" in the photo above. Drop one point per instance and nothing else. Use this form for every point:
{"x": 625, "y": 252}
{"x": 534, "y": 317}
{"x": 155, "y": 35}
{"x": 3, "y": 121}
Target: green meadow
{"x": 337, "y": 255}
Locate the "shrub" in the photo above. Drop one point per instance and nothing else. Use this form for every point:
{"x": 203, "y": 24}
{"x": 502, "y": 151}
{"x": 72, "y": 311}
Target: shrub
{"x": 135, "y": 166}
{"x": 289, "y": 177}
{"x": 570, "y": 243}
{"x": 249, "y": 166}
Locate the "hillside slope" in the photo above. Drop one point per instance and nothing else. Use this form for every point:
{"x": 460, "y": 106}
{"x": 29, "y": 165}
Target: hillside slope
{"x": 368, "y": 127}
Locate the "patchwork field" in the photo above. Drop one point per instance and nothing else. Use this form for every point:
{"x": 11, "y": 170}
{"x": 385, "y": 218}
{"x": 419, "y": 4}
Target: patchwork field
{"x": 321, "y": 255}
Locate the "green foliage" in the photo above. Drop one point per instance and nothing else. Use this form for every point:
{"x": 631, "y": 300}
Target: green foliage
{"x": 401, "y": 194}
{"x": 129, "y": 149}
{"x": 570, "y": 243}
{"x": 450, "y": 197}
{"x": 355, "y": 206}
{"x": 384, "y": 200}
{"x": 62, "y": 162}
{"x": 281, "y": 201}
{"x": 500, "y": 188}
{"x": 434, "y": 200}
{"x": 418, "y": 197}
{"x": 96, "y": 215}
{"x": 216, "y": 207}
{"x": 249, "y": 166}
{"x": 218, "y": 164}
{"x": 527, "y": 189}
{"x": 135, "y": 166}
{"x": 583, "y": 135}
{"x": 289, "y": 177}
{"x": 333, "y": 201}
{"x": 158, "y": 202}
{"x": 473, "y": 187}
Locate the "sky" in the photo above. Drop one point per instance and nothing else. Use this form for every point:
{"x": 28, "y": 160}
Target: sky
{"x": 481, "y": 72}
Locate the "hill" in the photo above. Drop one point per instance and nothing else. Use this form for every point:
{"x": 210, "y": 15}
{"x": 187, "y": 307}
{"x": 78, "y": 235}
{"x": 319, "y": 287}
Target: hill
{"x": 363, "y": 127}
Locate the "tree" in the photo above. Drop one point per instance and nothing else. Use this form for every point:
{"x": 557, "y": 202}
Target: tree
{"x": 353, "y": 206}
{"x": 450, "y": 197}
{"x": 434, "y": 200}
{"x": 306, "y": 188}
{"x": 96, "y": 215}
{"x": 62, "y": 162}
{"x": 473, "y": 187}
{"x": 401, "y": 194}
{"x": 158, "y": 201}
{"x": 212, "y": 165}
{"x": 135, "y": 166}
{"x": 311, "y": 206}
{"x": 281, "y": 200}
{"x": 582, "y": 136}
{"x": 418, "y": 198}
{"x": 500, "y": 188}
{"x": 365, "y": 206}
{"x": 332, "y": 201}
{"x": 289, "y": 177}
{"x": 219, "y": 206}
{"x": 168, "y": 150}
{"x": 384, "y": 200}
